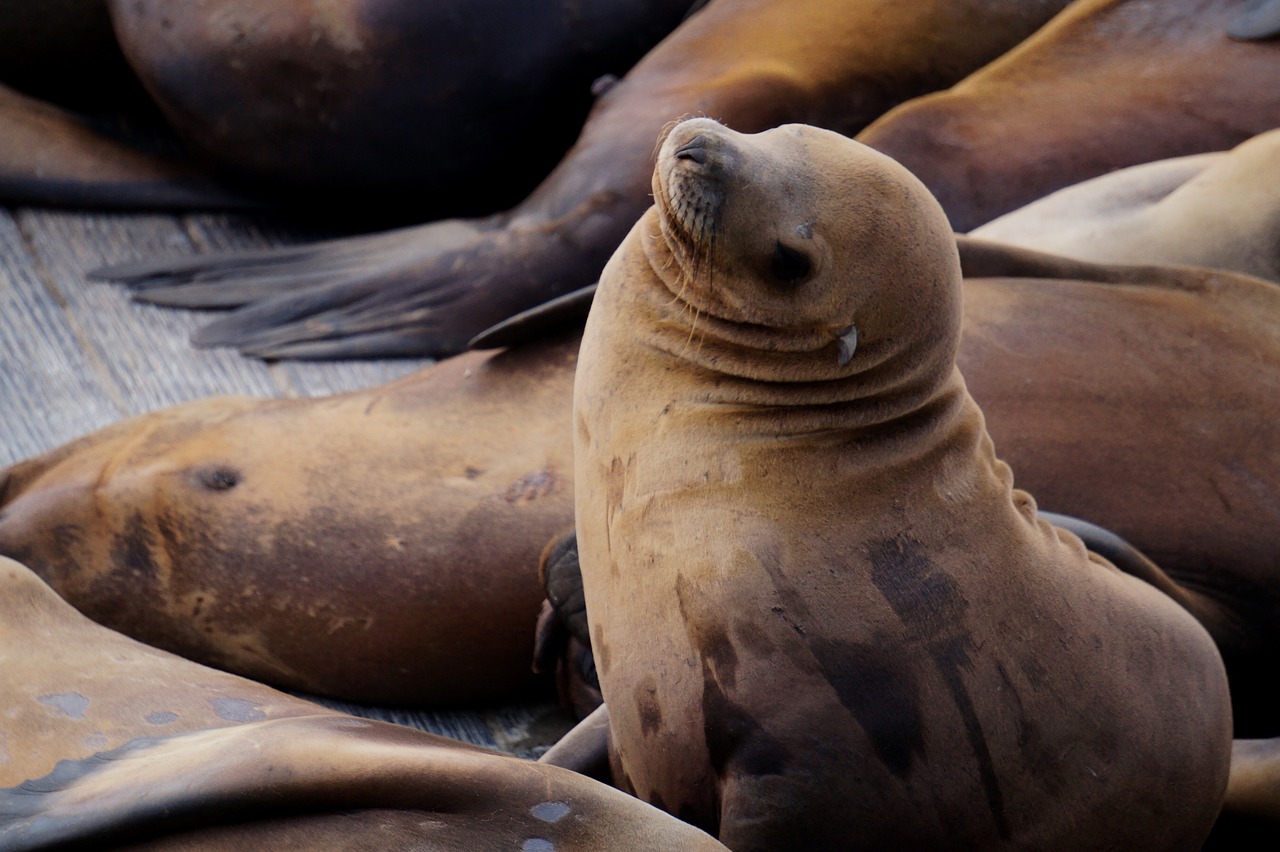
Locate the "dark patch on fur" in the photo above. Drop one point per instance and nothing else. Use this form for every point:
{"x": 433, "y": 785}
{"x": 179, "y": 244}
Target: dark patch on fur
{"x": 237, "y": 709}
{"x": 132, "y": 548}
{"x": 648, "y": 706}
{"x": 753, "y": 639}
{"x": 882, "y": 695}
{"x": 930, "y": 606}
{"x": 734, "y": 735}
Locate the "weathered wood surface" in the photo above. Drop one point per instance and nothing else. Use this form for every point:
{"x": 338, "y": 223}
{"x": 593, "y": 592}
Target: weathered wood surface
{"x": 76, "y": 355}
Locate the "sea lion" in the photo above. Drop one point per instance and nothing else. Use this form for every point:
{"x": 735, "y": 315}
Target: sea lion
{"x": 429, "y": 289}
{"x": 108, "y": 744}
{"x": 374, "y": 97}
{"x": 790, "y": 518}
{"x": 378, "y": 545}
{"x": 1140, "y": 81}
{"x": 1220, "y": 209}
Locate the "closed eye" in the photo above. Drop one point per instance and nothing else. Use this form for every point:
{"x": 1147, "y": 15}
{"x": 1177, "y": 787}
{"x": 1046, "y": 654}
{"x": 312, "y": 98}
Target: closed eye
{"x": 790, "y": 265}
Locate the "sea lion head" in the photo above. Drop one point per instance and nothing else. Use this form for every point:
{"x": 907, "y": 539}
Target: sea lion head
{"x": 803, "y": 241}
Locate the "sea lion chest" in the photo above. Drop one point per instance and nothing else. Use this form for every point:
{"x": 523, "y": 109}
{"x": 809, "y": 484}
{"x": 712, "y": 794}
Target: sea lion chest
{"x": 808, "y": 632}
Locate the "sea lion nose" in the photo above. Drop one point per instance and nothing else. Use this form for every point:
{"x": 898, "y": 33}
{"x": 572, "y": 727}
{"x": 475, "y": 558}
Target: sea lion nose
{"x": 695, "y": 150}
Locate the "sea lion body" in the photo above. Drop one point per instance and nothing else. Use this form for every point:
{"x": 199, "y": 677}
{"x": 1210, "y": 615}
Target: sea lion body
{"x": 819, "y": 609}
{"x": 378, "y": 545}
{"x": 1219, "y": 209}
{"x": 109, "y": 744}
{"x": 373, "y": 96}
{"x": 1139, "y": 82}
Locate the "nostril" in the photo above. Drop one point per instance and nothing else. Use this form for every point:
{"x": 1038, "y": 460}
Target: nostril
{"x": 695, "y": 150}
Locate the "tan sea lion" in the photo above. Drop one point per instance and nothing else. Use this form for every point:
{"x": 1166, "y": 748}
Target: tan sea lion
{"x": 1106, "y": 84}
{"x": 791, "y": 519}
{"x": 108, "y": 744}
{"x": 1220, "y": 209}
{"x": 429, "y": 289}
{"x": 377, "y": 545}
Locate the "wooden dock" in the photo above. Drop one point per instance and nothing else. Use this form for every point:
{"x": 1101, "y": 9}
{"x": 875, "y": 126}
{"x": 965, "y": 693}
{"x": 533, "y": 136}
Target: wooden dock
{"x": 76, "y": 355}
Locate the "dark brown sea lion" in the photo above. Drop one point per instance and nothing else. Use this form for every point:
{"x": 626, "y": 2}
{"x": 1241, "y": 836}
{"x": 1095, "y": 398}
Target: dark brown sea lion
{"x": 1220, "y": 210}
{"x": 377, "y": 545}
{"x": 791, "y": 518}
{"x": 1106, "y": 84}
{"x": 108, "y": 744}
{"x": 430, "y": 289}
{"x": 382, "y": 96}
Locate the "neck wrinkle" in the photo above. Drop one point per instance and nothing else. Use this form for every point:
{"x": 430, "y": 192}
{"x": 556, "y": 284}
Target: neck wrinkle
{"x": 786, "y": 381}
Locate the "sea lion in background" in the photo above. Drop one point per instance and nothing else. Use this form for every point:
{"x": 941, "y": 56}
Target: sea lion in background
{"x": 1140, "y": 81}
{"x": 405, "y": 107}
{"x": 429, "y": 289}
{"x": 107, "y": 743}
{"x": 790, "y": 516}
{"x": 1220, "y": 210}
{"x": 413, "y": 103}
{"x": 377, "y": 546}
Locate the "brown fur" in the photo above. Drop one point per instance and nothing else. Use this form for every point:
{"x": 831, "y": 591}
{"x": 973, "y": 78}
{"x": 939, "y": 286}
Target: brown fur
{"x": 819, "y": 609}
{"x": 110, "y": 743}
{"x": 1106, "y": 84}
{"x": 378, "y": 545}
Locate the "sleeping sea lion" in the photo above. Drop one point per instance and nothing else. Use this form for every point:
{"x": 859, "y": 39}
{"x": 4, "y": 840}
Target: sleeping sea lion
{"x": 1140, "y": 82}
{"x": 377, "y": 545}
{"x": 429, "y": 289}
{"x": 1220, "y": 209}
{"x": 791, "y": 519}
{"x": 374, "y": 98}
{"x": 108, "y": 744}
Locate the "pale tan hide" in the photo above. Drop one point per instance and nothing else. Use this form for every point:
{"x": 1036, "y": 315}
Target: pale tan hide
{"x": 1220, "y": 210}
{"x": 110, "y": 744}
{"x": 819, "y": 609}
{"x": 378, "y": 545}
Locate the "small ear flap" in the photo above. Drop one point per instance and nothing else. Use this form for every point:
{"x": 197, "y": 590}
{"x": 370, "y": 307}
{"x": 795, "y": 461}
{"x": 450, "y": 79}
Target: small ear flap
{"x": 1260, "y": 21}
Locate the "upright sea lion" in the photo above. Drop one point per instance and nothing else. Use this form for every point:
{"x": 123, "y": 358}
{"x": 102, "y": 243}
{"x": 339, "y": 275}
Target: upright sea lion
{"x": 1220, "y": 209}
{"x": 108, "y": 744}
{"x": 791, "y": 518}
{"x": 378, "y": 546}
{"x": 1140, "y": 81}
{"x": 752, "y": 63}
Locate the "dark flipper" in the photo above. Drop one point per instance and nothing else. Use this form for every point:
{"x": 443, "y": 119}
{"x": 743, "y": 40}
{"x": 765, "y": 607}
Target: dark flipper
{"x": 425, "y": 290}
{"x": 585, "y": 749}
{"x": 562, "y": 644}
{"x": 559, "y": 313}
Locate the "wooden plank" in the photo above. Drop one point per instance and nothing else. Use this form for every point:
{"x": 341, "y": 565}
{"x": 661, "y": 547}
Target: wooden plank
{"x": 50, "y": 389}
